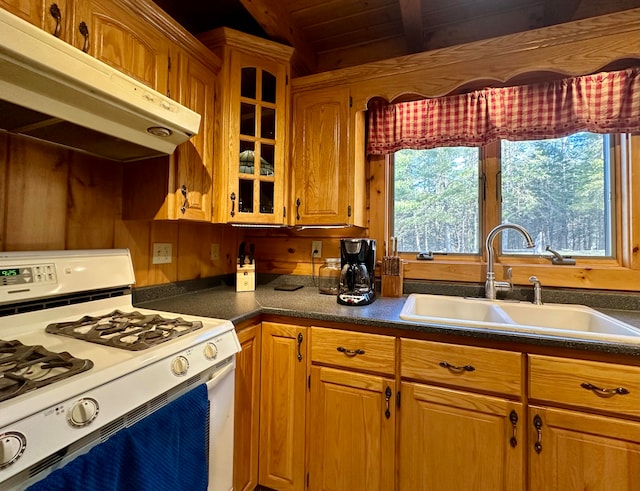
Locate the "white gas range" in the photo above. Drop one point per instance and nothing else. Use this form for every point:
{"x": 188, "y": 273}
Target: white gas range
{"x": 78, "y": 362}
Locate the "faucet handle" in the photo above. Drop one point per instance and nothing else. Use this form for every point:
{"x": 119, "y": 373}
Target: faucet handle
{"x": 559, "y": 259}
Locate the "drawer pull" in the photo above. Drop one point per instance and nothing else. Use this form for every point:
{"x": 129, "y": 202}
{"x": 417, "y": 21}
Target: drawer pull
{"x": 454, "y": 368}
{"x": 537, "y": 423}
{"x": 604, "y": 392}
{"x": 513, "y": 417}
{"x": 350, "y": 352}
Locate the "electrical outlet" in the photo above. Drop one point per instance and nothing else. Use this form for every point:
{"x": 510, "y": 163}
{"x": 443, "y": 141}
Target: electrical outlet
{"x": 316, "y": 248}
{"x": 162, "y": 253}
{"x": 215, "y": 252}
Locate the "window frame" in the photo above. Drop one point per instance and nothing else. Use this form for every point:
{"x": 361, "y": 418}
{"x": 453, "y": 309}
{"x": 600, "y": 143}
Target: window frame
{"x": 619, "y": 273}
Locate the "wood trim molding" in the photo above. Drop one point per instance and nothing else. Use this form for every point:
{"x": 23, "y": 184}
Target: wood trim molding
{"x": 574, "y": 48}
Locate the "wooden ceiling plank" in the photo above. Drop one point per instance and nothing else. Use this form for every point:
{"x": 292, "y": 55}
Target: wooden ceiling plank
{"x": 411, "y": 11}
{"x": 277, "y": 23}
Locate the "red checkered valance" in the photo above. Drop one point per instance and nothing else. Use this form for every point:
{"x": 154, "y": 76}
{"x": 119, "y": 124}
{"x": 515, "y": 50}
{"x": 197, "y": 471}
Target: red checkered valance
{"x": 607, "y": 102}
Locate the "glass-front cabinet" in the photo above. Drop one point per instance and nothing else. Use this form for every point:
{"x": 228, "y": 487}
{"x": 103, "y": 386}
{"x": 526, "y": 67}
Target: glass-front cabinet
{"x": 251, "y": 165}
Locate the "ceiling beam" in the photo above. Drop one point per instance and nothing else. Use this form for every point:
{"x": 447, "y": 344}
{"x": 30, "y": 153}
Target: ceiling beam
{"x": 276, "y": 22}
{"x": 411, "y": 11}
{"x": 559, "y": 12}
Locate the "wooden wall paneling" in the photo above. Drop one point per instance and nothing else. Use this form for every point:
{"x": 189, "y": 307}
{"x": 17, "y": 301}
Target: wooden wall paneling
{"x": 36, "y": 198}
{"x": 163, "y": 232}
{"x": 291, "y": 254}
{"x": 4, "y": 158}
{"x": 135, "y": 236}
{"x": 94, "y": 202}
{"x": 228, "y": 238}
{"x": 378, "y": 200}
{"x": 192, "y": 237}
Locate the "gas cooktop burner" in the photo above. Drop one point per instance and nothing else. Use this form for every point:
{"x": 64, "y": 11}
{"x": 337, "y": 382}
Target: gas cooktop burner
{"x": 24, "y": 368}
{"x": 127, "y": 330}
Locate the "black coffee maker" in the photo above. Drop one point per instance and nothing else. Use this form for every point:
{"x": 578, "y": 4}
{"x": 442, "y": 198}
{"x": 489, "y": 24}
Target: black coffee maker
{"x": 357, "y": 281}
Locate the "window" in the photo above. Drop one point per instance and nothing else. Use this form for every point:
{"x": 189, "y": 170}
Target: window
{"x": 559, "y": 189}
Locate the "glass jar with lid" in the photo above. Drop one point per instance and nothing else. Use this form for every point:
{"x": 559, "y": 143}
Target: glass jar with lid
{"x": 329, "y": 276}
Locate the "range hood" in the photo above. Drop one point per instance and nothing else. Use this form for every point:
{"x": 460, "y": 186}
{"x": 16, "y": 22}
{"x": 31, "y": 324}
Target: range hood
{"x": 53, "y": 91}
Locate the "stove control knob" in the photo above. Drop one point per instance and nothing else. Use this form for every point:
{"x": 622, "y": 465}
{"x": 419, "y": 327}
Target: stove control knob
{"x": 179, "y": 366}
{"x": 210, "y": 351}
{"x": 12, "y": 445}
{"x": 83, "y": 412}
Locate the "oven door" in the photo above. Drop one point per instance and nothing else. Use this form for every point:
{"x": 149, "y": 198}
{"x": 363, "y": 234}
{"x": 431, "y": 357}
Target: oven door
{"x": 221, "y": 391}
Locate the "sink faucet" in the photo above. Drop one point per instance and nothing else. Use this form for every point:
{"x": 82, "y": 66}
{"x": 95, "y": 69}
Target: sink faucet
{"x": 491, "y": 286}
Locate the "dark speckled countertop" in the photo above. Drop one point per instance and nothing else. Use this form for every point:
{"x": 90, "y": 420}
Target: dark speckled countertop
{"x": 224, "y": 302}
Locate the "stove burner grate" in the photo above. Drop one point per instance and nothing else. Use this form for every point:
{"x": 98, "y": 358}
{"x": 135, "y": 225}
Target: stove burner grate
{"x": 132, "y": 331}
{"x": 24, "y": 368}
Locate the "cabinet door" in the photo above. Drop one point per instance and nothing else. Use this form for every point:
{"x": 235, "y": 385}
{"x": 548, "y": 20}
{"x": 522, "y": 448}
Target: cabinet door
{"x": 257, "y": 146}
{"x": 571, "y": 451}
{"x": 323, "y": 183}
{"x": 247, "y": 410}
{"x": 352, "y": 431}
{"x": 452, "y": 440}
{"x": 118, "y": 38}
{"x": 282, "y": 406}
{"x": 54, "y": 16}
{"x": 195, "y": 158}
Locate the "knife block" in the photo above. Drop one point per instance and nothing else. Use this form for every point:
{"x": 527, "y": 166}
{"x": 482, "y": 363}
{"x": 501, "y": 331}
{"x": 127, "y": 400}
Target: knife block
{"x": 246, "y": 277}
{"x": 392, "y": 276}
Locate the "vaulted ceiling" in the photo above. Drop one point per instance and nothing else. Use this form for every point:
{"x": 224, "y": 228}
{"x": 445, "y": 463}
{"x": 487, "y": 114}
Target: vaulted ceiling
{"x": 331, "y": 34}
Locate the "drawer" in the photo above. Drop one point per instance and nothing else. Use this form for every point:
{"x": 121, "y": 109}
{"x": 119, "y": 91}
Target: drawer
{"x": 354, "y": 350}
{"x": 481, "y": 369}
{"x": 589, "y": 384}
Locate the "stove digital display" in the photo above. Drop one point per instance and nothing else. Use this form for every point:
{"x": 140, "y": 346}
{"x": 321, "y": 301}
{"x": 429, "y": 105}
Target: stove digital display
{"x": 4, "y": 273}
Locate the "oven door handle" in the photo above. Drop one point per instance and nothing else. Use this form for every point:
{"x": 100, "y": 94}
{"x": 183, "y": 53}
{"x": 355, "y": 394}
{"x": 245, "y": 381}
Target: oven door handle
{"x": 217, "y": 377}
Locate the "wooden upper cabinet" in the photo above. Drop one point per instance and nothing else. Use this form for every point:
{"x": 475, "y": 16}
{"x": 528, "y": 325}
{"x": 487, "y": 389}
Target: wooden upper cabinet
{"x": 108, "y": 32}
{"x": 195, "y": 86}
{"x": 123, "y": 41}
{"x": 54, "y": 16}
{"x": 322, "y": 167}
{"x": 251, "y": 133}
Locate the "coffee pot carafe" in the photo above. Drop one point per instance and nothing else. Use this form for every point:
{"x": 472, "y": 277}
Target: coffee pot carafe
{"x": 357, "y": 276}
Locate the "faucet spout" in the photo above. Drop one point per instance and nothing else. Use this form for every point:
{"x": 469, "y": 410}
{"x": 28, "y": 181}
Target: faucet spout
{"x": 491, "y": 286}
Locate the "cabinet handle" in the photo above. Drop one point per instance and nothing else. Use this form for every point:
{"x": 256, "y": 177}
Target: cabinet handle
{"x": 537, "y": 423}
{"x": 298, "y": 209}
{"x": 84, "y": 31}
{"x": 513, "y": 417}
{"x": 185, "y": 203}
{"x": 350, "y": 352}
{"x": 604, "y": 392}
{"x": 454, "y": 368}
{"x": 299, "y": 344}
{"x": 233, "y": 204}
{"x": 54, "y": 10}
{"x": 387, "y": 398}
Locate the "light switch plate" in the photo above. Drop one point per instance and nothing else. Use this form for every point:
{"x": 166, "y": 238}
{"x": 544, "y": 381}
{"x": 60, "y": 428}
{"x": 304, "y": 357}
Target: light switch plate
{"x": 162, "y": 253}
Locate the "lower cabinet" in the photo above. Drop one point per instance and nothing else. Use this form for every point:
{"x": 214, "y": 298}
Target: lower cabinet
{"x": 282, "y": 406}
{"x": 453, "y": 440}
{"x": 343, "y": 410}
{"x": 352, "y": 431}
{"x": 247, "y": 410}
{"x": 461, "y": 419}
{"x": 574, "y": 450}
{"x": 571, "y": 451}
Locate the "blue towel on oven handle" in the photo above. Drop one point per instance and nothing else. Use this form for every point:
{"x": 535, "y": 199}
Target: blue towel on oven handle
{"x": 166, "y": 451}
